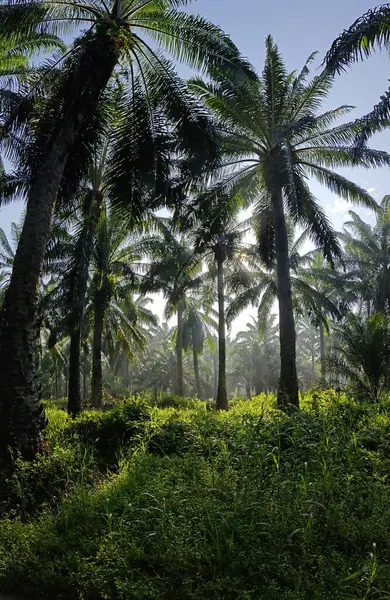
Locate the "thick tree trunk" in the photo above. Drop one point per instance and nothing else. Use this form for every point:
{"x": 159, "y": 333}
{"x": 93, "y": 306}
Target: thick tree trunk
{"x": 179, "y": 351}
{"x": 196, "y": 372}
{"x": 97, "y": 368}
{"x": 222, "y": 403}
{"x": 21, "y": 419}
{"x": 74, "y": 390}
{"x": 288, "y": 382}
{"x": 322, "y": 351}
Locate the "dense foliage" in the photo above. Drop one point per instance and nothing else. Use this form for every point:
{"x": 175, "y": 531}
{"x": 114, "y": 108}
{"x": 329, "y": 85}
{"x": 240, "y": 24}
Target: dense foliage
{"x": 182, "y": 502}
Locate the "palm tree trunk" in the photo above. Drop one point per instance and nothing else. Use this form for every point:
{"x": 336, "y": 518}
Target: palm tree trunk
{"x": 179, "y": 351}
{"x": 222, "y": 403}
{"x": 74, "y": 390}
{"x": 196, "y": 372}
{"x": 85, "y": 373}
{"x": 21, "y": 419}
{"x": 322, "y": 351}
{"x": 97, "y": 369}
{"x": 288, "y": 382}
{"x": 215, "y": 374}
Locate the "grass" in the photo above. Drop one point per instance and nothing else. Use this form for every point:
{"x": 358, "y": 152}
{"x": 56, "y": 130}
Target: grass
{"x": 142, "y": 502}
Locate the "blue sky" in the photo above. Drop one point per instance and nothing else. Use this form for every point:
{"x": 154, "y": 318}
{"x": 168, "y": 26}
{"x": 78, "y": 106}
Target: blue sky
{"x": 299, "y": 27}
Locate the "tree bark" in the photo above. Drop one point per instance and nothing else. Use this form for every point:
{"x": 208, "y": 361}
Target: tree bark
{"x": 196, "y": 372}
{"x": 222, "y": 402}
{"x": 74, "y": 389}
{"x": 97, "y": 369}
{"x": 21, "y": 418}
{"x": 215, "y": 374}
{"x": 179, "y": 351}
{"x": 85, "y": 374}
{"x": 322, "y": 351}
{"x": 288, "y": 382}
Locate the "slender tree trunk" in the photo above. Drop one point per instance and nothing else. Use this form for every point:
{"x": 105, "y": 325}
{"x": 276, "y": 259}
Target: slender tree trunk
{"x": 196, "y": 372}
{"x": 21, "y": 418}
{"x": 313, "y": 365}
{"x": 215, "y": 374}
{"x": 248, "y": 391}
{"x": 85, "y": 374}
{"x": 57, "y": 385}
{"x": 179, "y": 351}
{"x": 97, "y": 369}
{"x": 322, "y": 351}
{"x": 288, "y": 382}
{"x": 74, "y": 390}
{"x": 222, "y": 403}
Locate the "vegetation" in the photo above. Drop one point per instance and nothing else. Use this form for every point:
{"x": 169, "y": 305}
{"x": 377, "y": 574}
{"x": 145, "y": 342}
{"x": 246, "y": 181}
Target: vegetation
{"x": 184, "y": 502}
{"x": 148, "y": 449}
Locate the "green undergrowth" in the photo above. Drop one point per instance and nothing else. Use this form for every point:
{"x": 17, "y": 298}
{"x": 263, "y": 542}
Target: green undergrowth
{"x": 178, "y": 502}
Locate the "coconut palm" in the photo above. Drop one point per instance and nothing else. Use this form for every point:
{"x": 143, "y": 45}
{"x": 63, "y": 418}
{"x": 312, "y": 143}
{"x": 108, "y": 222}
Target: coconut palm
{"x": 357, "y": 43}
{"x": 274, "y": 139}
{"x": 126, "y": 36}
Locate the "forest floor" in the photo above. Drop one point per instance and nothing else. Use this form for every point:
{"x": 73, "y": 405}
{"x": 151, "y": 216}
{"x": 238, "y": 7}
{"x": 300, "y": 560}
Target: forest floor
{"x": 178, "y": 502}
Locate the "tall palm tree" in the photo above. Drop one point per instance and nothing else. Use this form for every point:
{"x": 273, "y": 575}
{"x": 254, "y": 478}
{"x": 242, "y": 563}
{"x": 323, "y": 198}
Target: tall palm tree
{"x": 274, "y": 139}
{"x": 356, "y": 43}
{"x": 115, "y": 266}
{"x": 219, "y": 236}
{"x": 199, "y": 324}
{"x": 121, "y": 35}
{"x": 175, "y": 270}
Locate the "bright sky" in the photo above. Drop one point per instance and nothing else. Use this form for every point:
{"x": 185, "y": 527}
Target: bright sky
{"x": 299, "y": 27}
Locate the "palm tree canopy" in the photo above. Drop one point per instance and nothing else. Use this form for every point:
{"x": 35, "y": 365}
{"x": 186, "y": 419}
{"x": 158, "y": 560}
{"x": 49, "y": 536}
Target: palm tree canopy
{"x": 357, "y": 43}
{"x": 272, "y": 133}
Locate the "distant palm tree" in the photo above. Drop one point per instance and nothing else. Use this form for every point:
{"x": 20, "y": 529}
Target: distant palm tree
{"x": 199, "y": 324}
{"x": 356, "y": 43}
{"x": 218, "y": 236}
{"x": 367, "y": 257}
{"x": 361, "y": 355}
{"x": 253, "y": 356}
{"x": 175, "y": 271}
{"x": 274, "y": 139}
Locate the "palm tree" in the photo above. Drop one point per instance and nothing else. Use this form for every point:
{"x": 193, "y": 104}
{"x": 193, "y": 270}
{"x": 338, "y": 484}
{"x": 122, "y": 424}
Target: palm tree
{"x": 257, "y": 286}
{"x": 68, "y": 94}
{"x": 254, "y": 356}
{"x": 198, "y": 325}
{"x": 115, "y": 264}
{"x": 361, "y": 355}
{"x": 219, "y": 237}
{"x": 274, "y": 139}
{"x": 175, "y": 270}
{"x": 359, "y": 42}
{"x": 367, "y": 257}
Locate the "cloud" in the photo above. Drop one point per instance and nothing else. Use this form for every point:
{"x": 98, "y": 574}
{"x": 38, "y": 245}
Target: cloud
{"x": 371, "y": 190}
{"x": 339, "y": 207}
